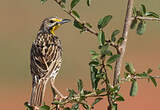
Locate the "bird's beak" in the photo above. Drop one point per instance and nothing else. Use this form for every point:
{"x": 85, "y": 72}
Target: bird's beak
{"x": 64, "y": 21}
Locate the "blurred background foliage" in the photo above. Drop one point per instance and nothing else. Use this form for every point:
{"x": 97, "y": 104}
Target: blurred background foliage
{"x": 20, "y": 21}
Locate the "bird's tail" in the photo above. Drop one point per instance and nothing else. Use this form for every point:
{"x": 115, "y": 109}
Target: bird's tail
{"x": 38, "y": 94}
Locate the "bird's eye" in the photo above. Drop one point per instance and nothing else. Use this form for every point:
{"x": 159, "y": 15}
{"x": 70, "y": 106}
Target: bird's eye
{"x": 51, "y": 21}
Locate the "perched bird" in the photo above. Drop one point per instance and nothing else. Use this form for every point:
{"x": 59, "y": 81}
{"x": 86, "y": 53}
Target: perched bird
{"x": 45, "y": 58}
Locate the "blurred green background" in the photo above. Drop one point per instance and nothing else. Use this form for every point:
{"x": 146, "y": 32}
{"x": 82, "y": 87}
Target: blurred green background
{"x": 19, "y": 23}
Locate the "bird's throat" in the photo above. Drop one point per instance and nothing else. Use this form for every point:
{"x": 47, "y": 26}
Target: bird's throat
{"x": 54, "y": 28}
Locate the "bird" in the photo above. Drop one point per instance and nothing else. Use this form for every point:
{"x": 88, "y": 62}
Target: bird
{"x": 45, "y": 59}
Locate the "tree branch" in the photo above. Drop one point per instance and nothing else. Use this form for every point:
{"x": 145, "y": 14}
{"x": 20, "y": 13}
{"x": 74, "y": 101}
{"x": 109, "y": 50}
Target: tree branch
{"x": 146, "y": 18}
{"x": 122, "y": 47}
{"x": 137, "y": 77}
{"x": 77, "y": 19}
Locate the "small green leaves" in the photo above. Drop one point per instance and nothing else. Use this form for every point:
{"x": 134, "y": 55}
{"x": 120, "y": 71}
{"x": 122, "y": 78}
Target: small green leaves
{"x": 80, "y": 85}
{"x": 43, "y": 1}
{"x": 75, "y": 13}
{"x": 105, "y": 51}
{"x": 96, "y": 101}
{"x": 152, "y": 14}
{"x": 101, "y": 37}
{"x": 143, "y": 9}
{"x": 78, "y": 25}
{"x": 75, "y": 106}
{"x": 113, "y": 58}
{"x": 74, "y": 3}
{"x": 119, "y": 98}
{"x": 141, "y": 27}
{"x": 94, "y": 79}
{"x": 72, "y": 93}
{"x": 133, "y": 24}
{"x": 130, "y": 68}
{"x": 28, "y": 106}
{"x": 89, "y": 25}
{"x": 134, "y": 88}
{"x": 44, "y": 107}
{"x": 89, "y": 2}
{"x": 120, "y": 40}
{"x": 116, "y": 32}
{"x": 94, "y": 62}
{"x": 94, "y": 54}
{"x": 103, "y": 22}
{"x": 153, "y": 80}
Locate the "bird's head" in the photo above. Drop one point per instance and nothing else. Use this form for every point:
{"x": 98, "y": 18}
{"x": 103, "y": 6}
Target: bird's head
{"x": 52, "y": 23}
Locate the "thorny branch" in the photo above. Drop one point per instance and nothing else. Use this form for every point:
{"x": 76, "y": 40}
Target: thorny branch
{"x": 122, "y": 48}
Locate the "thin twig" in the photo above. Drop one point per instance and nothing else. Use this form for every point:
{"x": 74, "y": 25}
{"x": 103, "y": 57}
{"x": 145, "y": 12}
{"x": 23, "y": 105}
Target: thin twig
{"x": 146, "y": 18}
{"x": 87, "y": 28}
{"x": 137, "y": 77}
{"x": 122, "y": 47}
{"x": 93, "y": 94}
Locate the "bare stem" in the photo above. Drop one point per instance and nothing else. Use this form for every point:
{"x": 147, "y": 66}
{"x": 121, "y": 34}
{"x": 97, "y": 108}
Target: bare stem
{"x": 122, "y": 47}
{"x": 146, "y": 18}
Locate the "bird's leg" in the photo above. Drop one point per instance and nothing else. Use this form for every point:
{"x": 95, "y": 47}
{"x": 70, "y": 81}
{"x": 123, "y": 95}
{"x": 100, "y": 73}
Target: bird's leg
{"x": 53, "y": 86}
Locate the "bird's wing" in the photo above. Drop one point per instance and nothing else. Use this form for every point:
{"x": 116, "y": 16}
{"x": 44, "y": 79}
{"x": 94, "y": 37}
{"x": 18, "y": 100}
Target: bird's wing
{"x": 45, "y": 55}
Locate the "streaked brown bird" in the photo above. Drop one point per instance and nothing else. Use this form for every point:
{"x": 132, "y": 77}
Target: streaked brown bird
{"x": 46, "y": 58}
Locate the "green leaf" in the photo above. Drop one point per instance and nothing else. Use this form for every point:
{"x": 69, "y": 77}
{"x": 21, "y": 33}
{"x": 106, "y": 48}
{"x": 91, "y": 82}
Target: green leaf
{"x": 75, "y": 106}
{"x": 153, "y": 80}
{"x": 44, "y": 107}
{"x": 141, "y": 28}
{"x": 94, "y": 54}
{"x": 74, "y": 3}
{"x": 94, "y": 63}
{"x": 133, "y": 24}
{"x": 80, "y": 85}
{"x": 143, "y": 9}
{"x": 43, "y": 1}
{"x": 64, "y": 1}
{"x": 104, "y": 50}
{"x": 130, "y": 68}
{"x": 89, "y": 25}
{"x": 85, "y": 106}
{"x": 89, "y": 2}
{"x": 94, "y": 80}
{"x": 120, "y": 40}
{"x": 152, "y": 14}
{"x": 28, "y": 106}
{"x": 149, "y": 71}
{"x": 103, "y": 22}
{"x": 119, "y": 98}
{"x": 75, "y": 13}
{"x": 113, "y": 58}
{"x": 110, "y": 66}
{"x": 72, "y": 93}
{"x": 134, "y": 88}
{"x": 142, "y": 75}
{"x": 99, "y": 23}
{"x": 114, "y": 106}
{"x": 100, "y": 91}
{"x": 78, "y": 25}
{"x": 101, "y": 37}
{"x": 113, "y": 38}
{"x": 96, "y": 101}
